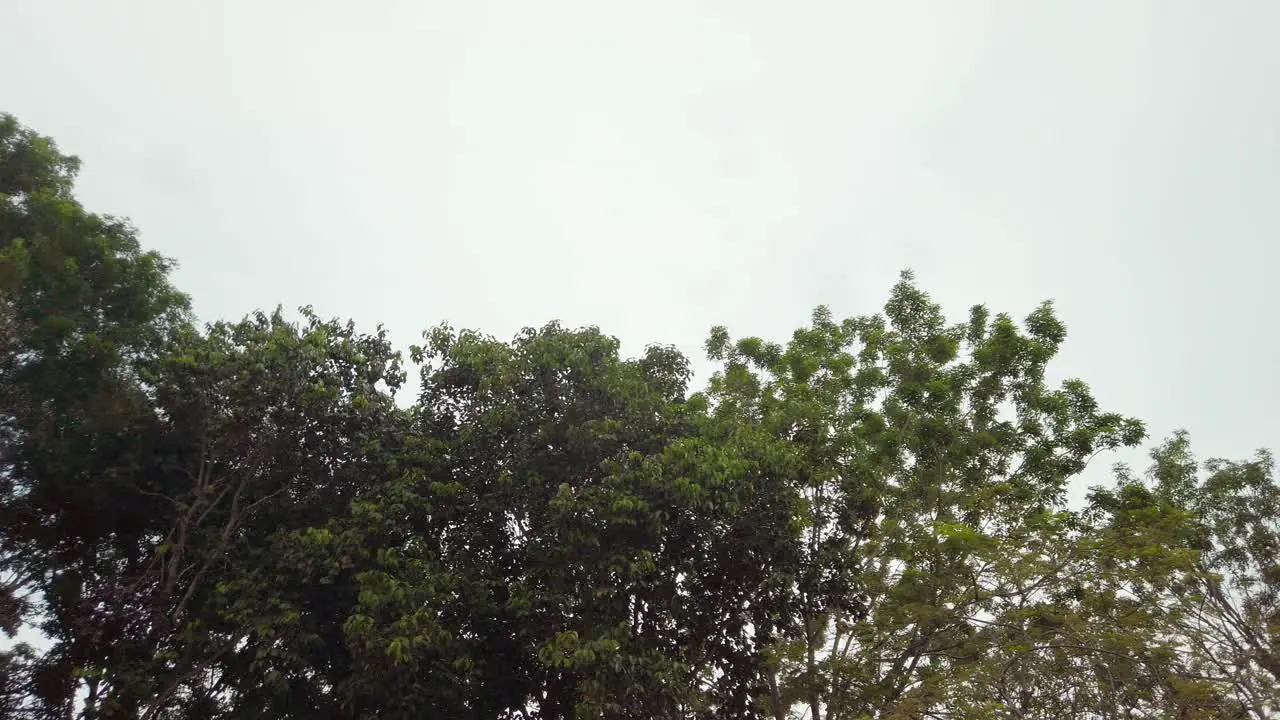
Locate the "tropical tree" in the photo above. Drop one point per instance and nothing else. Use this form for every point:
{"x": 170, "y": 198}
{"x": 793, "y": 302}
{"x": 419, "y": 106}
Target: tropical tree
{"x": 571, "y": 537}
{"x": 82, "y": 310}
{"x": 932, "y": 460}
{"x": 267, "y": 427}
{"x": 1202, "y": 545}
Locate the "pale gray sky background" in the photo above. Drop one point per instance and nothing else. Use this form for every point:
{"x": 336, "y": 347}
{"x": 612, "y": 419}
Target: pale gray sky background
{"x": 660, "y": 167}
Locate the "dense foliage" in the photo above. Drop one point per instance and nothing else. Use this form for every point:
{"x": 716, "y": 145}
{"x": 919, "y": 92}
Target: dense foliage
{"x": 239, "y": 520}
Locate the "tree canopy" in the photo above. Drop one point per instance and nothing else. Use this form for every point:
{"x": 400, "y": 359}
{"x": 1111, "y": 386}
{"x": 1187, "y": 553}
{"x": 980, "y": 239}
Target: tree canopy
{"x": 869, "y": 520}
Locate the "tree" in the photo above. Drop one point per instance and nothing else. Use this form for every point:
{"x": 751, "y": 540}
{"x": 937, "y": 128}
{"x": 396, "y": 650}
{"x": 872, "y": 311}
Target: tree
{"x": 932, "y": 459}
{"x": 573, "y": 539}
{"x": 267, "y": 428}
{"x": 82, "y": 308}
{"x": 1204, "y": 551}
{"x": 1081, "y": 637}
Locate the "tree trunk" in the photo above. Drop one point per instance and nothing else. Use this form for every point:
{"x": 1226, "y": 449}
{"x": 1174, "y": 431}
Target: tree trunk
{"x": 811, "y": 668}
{"x": 775, "y": 697}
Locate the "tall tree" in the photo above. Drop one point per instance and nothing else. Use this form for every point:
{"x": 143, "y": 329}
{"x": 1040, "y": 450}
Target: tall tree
{"x": 82, "y": 309}
{"x": 1202, "y": 545}
{"x": 267, "y": 427}
{"x": 931, "y": 454}
{"x": 573, "y": 540}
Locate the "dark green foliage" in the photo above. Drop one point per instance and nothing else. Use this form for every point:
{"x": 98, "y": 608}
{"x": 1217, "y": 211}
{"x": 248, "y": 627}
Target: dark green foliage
{"x": 82, "y": 311}
{"x": 238, "y": 521}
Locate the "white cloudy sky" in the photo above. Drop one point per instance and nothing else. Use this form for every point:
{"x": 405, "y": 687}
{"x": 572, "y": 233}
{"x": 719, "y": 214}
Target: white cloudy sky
{"x": 660, "y": 167}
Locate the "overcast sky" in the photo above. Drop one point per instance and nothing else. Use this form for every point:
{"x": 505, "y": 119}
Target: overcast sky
{"x": 659, "y": 167}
